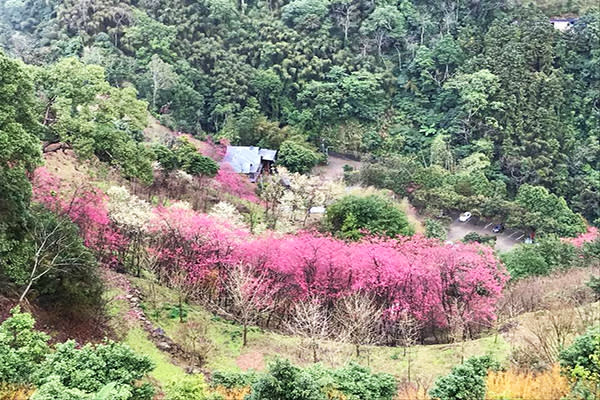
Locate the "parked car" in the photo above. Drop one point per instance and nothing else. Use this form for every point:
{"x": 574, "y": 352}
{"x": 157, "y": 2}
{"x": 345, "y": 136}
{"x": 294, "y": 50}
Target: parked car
{"x": 498, "y": 228}
{"x": 464, "y": 217}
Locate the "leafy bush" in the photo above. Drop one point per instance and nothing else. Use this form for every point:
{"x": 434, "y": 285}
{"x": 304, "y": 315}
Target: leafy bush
{"x": 547, "y": 255}
{"x": 22, "y": 348}
{"x": 359, "y": 383}
{"x": 186, "y": 157}
{"x": 54, "y": 389}
{"x": 285, "y": 381}
{"x": 476, "y": 237}
{"x": 297, "y": 157}
{"x": 351, "y": 214}
{"x": 581, "y": 363}
{"x": 93, "y": 366}
{"x": 92, "y": 372}
{"x": 545, "y": 212}
{"x": 232, "y": 380}
{"x": 435, "y": 229}
{"x": 190, "y": 387}
{"x": 465, "y": 381}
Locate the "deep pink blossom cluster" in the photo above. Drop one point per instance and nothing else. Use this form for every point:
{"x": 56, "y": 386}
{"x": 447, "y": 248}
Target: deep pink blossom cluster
{"x": 235, "y": 184}
{"x": 196, "y": 243}
{"x": 85, "y": 205}
{"x": 589, "y": 236}
{"x": 434, "y": 283}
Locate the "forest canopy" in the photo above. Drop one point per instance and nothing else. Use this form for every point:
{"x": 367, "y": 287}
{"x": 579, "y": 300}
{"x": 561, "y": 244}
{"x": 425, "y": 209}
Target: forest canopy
{"x": 445, "y": 83}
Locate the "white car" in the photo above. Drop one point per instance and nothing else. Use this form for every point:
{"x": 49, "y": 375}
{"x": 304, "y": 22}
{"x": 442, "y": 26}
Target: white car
{"x": 464, "y": 217}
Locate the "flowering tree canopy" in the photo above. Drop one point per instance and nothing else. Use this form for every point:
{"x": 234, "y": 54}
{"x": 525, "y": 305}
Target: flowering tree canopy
{"x": 433, "y": 283}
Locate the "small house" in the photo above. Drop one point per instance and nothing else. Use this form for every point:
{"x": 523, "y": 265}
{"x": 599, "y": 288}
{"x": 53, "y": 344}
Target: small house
{"x": 250, "y": 160}
{"x": 563, "y": 24}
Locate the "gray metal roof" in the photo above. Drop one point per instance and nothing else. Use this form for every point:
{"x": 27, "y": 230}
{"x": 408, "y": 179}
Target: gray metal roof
{"x": 267, "y": 154}
{"x": 243, "y": 159}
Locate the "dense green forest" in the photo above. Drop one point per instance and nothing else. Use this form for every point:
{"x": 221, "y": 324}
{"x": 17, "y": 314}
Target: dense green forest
{"x": 458, "y": 104}
{"x": 137, "y": 264}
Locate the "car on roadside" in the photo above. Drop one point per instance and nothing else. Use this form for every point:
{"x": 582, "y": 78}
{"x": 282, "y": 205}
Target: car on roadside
{"x": 464, "y": 217}
{"x": 498, "y": 228}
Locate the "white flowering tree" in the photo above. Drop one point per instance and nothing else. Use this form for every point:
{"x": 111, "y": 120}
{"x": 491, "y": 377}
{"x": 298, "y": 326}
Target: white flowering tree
{"x": 226, "y": 212}
{"x": 132, "y": 215}
{"x": 304, "y": 193}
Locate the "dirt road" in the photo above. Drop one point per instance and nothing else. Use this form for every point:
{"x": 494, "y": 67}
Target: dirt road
{"x": 334, "y": 170}
{"x": 504, "y": 241}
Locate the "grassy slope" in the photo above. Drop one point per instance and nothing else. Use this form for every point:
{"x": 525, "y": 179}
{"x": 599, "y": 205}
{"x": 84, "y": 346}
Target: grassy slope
{"x": 227, "y": 354}
{"x": 129, "y": 330}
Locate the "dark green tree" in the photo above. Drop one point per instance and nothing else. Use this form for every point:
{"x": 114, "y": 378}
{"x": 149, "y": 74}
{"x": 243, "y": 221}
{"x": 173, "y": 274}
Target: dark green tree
{"x": 372, "y": 213}
{"x": 297, "y": 157}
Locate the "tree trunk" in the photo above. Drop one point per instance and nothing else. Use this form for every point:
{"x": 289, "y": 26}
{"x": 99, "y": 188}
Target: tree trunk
{"x": 244, "y": 335}
{"x": 180, "y": 309}
{"x": 25, "y": 291}
{"x": 408, "y": 371}
{"x": 154, "y": 94}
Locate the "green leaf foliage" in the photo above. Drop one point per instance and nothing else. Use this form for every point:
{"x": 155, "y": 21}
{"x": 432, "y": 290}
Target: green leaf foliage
{"x": 66, "y": 371}
{"x": 22, "y": 348}
{"x": 19, "y": 146}
{"x": 465, "y": 382}
{"x": 297, "y": 157}
{"x": 284, "y": 381}
{"x": 547, "y": 255}
{"x": 581, "y": 363}
{"x": 545, "y": 212}
{"x": 351, "y": 214}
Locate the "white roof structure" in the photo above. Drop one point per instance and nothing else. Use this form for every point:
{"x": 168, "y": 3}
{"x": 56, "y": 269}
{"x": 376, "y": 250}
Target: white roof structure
{"x": 243, "y": 159}
{"x": 267, "y": 154}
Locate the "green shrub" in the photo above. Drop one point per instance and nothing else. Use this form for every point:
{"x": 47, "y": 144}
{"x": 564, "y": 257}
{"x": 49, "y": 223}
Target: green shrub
{"x": 93, "y": 366}
{"x": 192, "y": 162}
{"x": 186, "y": 157}
{"x": 22, "y": 348}
{"x": 476, "y": 237}
{"x": 545, "y": 212}
{"x": 231, "y": 380}
{"x": 190, "y": 387}
{"x": 465, "y": 381}
{"x": 435, "y": 229}
{"x": 547, "y": 255}
{"x": 581, "y": 363}
{"x": 285, "y": 381}
{"x": 357, "y": 382}
{"x": 108, "y": 371}
{"x": 350, "y": 215}
{"x": 297, "y": 157}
